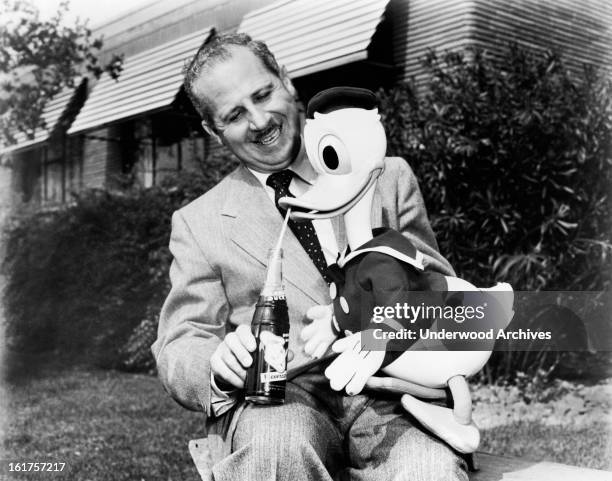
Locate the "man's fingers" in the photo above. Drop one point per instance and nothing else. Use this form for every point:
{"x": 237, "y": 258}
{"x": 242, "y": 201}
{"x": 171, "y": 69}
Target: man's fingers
{"x": 232, "y": 356}
{"x": 221, "y": 371}
{"x": 235, "y": 345}
{"x": 228, "y": 376}
{"x": 246, "y": 337}
{"x": 232, "y": 363}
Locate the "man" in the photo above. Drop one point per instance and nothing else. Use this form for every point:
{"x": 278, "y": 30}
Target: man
{"x": 220, "y": 244}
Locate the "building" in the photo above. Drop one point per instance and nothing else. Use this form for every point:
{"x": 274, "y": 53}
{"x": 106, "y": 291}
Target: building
{"x": 142, "y": 127}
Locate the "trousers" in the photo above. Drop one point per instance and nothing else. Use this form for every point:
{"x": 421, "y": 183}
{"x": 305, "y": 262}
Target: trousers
{"x": 320, "y": 434}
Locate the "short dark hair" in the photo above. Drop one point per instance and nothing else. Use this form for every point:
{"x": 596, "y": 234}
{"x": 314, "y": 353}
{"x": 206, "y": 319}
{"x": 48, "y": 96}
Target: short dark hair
{"x": 217, "y": 48}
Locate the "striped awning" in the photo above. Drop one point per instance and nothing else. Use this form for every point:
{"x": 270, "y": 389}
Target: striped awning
{"x": 149, "y": 81}
{"x": 309, "y": 36}
{"x": 52, "y": 113}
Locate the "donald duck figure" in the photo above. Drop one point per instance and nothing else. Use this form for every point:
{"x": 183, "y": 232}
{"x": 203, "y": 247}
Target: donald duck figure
{"x": 346, "y": 144}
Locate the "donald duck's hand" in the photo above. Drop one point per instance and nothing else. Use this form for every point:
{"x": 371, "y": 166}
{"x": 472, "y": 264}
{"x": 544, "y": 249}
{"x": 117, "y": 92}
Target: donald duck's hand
{"x": 354, "y": 366}
{"x": 318, "y": 335}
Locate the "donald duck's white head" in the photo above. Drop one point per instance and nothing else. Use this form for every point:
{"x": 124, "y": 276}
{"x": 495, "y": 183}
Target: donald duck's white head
{"x": 346, "y": 144}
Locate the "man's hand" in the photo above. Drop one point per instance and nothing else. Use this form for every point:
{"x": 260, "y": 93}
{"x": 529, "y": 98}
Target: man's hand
{"x": 354, "y": 366}
{"x": 318, "y": 335}
{"x": 231, "y": 358}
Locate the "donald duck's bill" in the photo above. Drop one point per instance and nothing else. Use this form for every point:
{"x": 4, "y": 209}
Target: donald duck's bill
{"x": 308, "y": 206}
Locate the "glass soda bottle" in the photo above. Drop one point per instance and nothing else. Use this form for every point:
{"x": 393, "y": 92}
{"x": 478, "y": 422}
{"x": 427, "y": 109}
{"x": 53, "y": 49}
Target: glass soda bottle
{"x": 267, "y": 376}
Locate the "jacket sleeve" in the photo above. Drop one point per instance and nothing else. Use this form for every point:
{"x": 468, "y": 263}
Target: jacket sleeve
{"x": 192, "y": 322}
{"x": 412, "y": 217}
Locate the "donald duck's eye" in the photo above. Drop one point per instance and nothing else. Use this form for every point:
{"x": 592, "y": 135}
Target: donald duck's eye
{"x": 330, "y": 157}
{"x": 333, "y": 155}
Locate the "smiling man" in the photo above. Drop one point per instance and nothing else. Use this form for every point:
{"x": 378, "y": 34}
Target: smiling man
{"x": 255, "y": 114}
{"x": 220, "y": 244}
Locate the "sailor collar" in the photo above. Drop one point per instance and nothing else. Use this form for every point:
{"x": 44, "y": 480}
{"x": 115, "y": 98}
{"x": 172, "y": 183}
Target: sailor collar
{"x": 388, "y": 242}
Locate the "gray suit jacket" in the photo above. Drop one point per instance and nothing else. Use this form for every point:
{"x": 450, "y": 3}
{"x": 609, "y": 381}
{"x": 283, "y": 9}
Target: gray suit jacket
{"x": 220, "y": 244}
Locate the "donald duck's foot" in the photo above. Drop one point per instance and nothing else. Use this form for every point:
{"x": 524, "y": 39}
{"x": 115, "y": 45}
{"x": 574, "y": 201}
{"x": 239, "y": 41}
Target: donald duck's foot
{"x": 442, "y": 422}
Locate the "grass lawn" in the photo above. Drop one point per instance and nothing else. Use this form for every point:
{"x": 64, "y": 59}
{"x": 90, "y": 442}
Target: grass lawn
{"x": 574, "y": 427}
{"x": 104, "y": 425}
{"x": 107, "y": 425}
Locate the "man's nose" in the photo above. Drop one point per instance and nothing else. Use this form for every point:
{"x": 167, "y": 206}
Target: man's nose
{"x": 258, "y": 118}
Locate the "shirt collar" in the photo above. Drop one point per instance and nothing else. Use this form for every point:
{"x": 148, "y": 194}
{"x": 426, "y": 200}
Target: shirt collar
{"x": 300, "y": 166}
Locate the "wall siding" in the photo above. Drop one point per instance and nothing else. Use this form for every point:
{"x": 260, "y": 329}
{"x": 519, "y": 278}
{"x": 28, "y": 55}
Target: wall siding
{"x": 421, "y": 25}
{"x": 580, "y": 31}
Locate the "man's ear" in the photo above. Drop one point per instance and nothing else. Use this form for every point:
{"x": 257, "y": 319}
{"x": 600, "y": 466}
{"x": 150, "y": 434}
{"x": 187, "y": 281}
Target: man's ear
{"x": 210, "y": 131}
{"x": 284, "y": 76}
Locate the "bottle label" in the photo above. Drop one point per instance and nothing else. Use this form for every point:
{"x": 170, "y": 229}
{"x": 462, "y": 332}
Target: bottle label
{"x": 273, "y": 376}
{"x": 274, "y": 350}
{"x": 267, "y": 376}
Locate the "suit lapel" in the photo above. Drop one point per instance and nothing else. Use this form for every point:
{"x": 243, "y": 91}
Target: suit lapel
{"x": 376, "y": 215}
{"x": 255, "y": 225}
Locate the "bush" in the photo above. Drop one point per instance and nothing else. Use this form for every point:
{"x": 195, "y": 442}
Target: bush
{"x": 514, "y": 160}
{"x": 513, "y": 157}
{"x": 80, "y": 279}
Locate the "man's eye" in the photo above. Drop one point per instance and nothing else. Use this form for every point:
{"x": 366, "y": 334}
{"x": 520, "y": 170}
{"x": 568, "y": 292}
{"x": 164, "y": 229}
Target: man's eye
{"x": 233, "y": 117}
{"x": 263, "y": 95}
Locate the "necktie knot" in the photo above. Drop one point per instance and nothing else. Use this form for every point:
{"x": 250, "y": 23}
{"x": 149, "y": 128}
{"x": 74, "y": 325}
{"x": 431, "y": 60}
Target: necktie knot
{"x": 280, "y": 181}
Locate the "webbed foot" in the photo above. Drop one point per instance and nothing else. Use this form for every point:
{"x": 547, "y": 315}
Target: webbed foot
{"x": 442, "y": 422}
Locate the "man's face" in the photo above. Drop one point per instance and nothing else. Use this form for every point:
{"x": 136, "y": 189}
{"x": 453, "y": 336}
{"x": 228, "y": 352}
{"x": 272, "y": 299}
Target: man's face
{"x": 254, "y": 112}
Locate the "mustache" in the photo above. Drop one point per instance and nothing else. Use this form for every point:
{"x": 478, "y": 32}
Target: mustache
{"x": 257, "y": 135}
